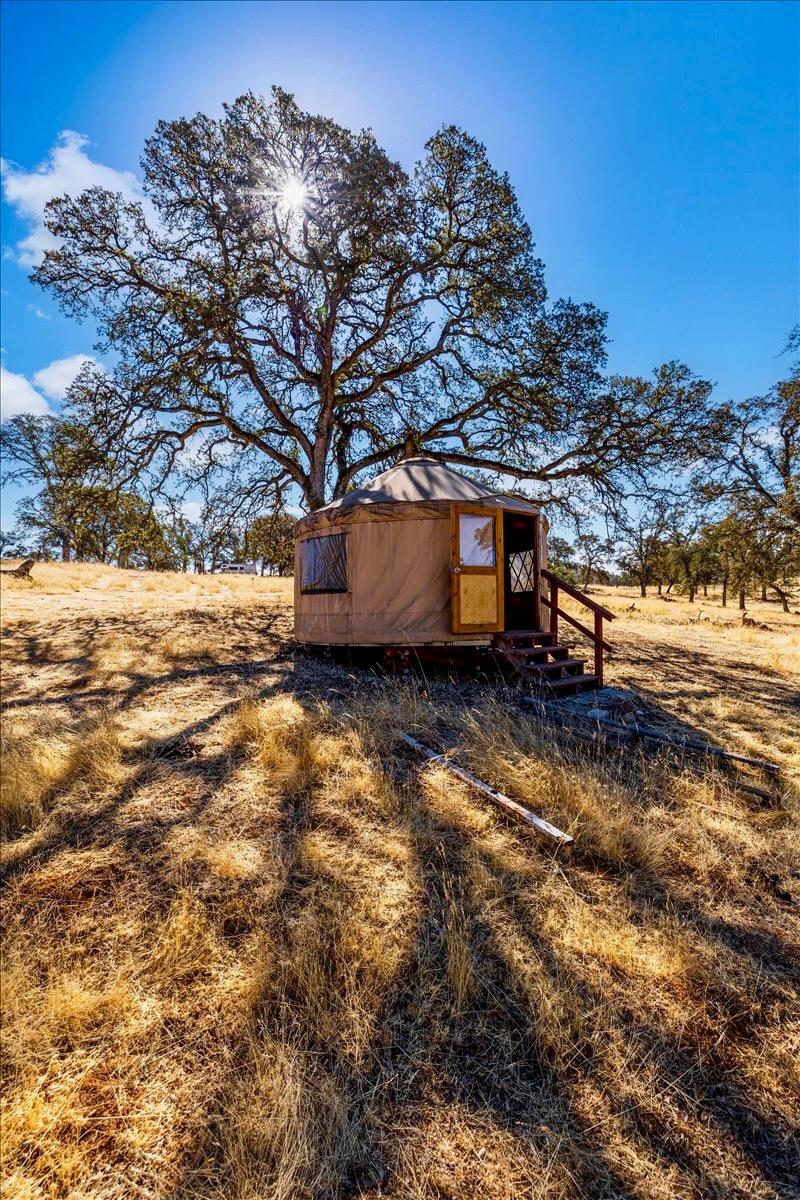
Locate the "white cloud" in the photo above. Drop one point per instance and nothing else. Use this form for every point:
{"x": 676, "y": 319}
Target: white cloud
{"x": 55, "y": 379}
{"x": 18, "y": 396}
{"x": 38, "y": 312}
{"x": 68, "y": 170}
{"x": 192, "y": 509}
{"x": 771, "y": 436}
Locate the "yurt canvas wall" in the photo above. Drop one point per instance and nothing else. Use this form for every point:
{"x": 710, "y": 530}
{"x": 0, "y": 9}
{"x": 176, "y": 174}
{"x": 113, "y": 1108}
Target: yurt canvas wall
{"x": 398, "y": 577}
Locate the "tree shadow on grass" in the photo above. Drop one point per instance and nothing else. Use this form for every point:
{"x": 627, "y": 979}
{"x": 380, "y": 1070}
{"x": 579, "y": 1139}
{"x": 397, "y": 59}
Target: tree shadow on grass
{"x": 131, "y": 684}
{"x": 703, "y": 674}
{"x": 699, "y": 1080}
{"x": 707, "y": 1085}
{"x": 494, "y": 1055}
{"x": 495, "y": 1058}
{"x": 63, "y": 828}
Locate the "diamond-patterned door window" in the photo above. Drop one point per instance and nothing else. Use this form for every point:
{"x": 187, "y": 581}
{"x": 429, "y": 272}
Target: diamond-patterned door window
{"x": 521, "y": 567}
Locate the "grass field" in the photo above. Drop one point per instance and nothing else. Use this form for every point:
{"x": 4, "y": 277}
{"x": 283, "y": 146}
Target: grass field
{"x": 252, "y": 950}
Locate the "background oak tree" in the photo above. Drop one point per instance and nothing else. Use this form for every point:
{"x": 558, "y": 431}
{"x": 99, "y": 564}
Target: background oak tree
{"x": 62, "y": 460}
{"x": 758, "y": 464}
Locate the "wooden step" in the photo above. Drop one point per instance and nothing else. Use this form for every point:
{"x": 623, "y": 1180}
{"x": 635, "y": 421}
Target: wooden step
{"x": 570, "y": 684}
{"x": 573, "y": 665}
{"x": 523, "y": 637}
{"x": 543, "y": 663}
{"x": 526, "y": 654}
{"x": 559, "y": 653}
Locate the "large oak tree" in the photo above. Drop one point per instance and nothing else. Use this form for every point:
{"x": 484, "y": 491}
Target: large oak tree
{"x": 290, "y": 291}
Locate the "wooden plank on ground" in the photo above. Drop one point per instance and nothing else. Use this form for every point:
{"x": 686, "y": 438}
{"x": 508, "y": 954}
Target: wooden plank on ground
{"x": 515, "y": 810}
{"x": 646, "y": 733}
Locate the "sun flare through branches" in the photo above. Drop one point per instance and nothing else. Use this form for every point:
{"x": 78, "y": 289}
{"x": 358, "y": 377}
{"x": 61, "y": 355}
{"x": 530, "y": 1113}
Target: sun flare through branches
{"x": 294, "y": 194}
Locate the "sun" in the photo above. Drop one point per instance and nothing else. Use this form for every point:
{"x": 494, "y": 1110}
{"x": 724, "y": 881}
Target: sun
{"x": 294, "y": 194}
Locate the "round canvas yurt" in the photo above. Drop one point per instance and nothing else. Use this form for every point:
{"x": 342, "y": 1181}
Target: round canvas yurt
{"x": 418, "y": 556}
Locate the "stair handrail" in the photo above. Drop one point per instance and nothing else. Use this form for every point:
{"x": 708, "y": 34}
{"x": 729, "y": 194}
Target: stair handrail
{"x": 600, "y": 613}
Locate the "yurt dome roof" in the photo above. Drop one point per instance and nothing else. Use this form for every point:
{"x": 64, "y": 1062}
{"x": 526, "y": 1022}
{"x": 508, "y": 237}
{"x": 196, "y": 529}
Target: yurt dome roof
{"x": 415, "y": 480}
{"x": 418, "y": 480}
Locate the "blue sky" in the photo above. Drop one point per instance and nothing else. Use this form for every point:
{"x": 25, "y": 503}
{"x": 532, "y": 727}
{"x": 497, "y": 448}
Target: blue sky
{"x": 654, "y": 147}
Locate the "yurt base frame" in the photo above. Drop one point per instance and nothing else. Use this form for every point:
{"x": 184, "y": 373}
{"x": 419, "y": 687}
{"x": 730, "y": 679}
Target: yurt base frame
{"x": 559, "y": 674}
{"x": 470, "y": 656}
{"x": 533, "y": 656}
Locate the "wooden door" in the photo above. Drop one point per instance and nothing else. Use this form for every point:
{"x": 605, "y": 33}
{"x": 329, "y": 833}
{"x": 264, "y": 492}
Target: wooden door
{"x": 476, "y": 569}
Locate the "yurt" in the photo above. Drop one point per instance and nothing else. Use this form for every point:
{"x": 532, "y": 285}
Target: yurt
{"x": 419, "y": 556}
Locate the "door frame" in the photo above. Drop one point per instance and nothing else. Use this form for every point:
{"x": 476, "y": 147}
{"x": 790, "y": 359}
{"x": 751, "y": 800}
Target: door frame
{"x": 458, "y": 569}
{"x": 536, "y": 548}
{"x": 537, "y": 571}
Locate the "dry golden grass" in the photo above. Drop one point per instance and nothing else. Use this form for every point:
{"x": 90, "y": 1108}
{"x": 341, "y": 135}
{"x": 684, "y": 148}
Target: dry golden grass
{"x": 253, "y": 950}
{"x": 739, "y": 685}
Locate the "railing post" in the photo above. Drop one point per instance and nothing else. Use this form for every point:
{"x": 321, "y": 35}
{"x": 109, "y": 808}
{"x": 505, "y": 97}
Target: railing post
{"x": 554, "y": 611}
{"x": 598, "y": 647}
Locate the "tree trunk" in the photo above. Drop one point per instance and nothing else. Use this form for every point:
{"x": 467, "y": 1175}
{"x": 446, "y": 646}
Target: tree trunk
{"x": 691, "y": 593}
{"x": 782, "y": 596}
{"x": 659, "y": 587}
{"x": 763, "y": 593}
{"x": 742, "y": 599}
{"x": 724, "y": 591}
{"x": 643, "y": 588}
{"x": 314, "y": 487}
{"x": 66, "y": 549}
{"x": 705, "y": 590}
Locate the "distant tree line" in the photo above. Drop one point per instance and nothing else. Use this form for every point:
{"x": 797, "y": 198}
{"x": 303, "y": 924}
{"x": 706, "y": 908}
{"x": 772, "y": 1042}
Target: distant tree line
{"x": 735, "y": 526}
{"x": 744, "y": 551}
{"x": 82, "y": 512}
{"x": 739, "y": 554}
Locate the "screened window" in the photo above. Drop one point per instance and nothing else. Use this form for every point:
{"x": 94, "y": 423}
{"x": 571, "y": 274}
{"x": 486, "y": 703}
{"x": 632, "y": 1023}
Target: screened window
{"x": 323, "y": 563}
{"x": 476, "y": 540}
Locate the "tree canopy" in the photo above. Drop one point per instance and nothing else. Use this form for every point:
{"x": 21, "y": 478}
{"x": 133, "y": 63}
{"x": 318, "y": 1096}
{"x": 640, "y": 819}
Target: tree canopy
{"x": 61, "y": 458}
{"x": 760, "y": 455}
{"x": 292, "y": 295}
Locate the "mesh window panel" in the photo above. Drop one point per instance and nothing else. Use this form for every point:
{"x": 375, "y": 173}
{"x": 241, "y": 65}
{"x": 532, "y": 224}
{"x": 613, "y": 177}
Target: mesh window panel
{"x": 520, "y": 569}
{"x": 323, "y": 564}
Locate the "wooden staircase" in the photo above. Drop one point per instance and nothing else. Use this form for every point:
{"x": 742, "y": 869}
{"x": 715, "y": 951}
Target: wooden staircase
{"x": 538, "y": 656}
{"x": 546, "y": 666}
